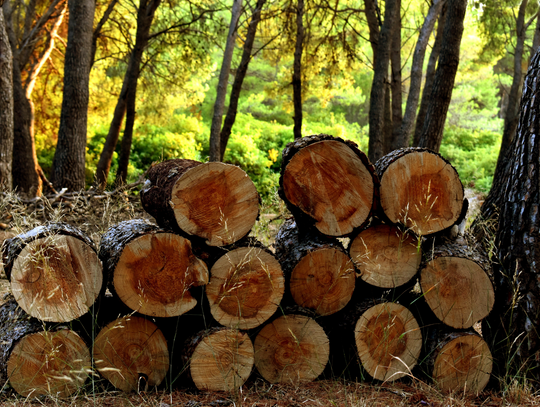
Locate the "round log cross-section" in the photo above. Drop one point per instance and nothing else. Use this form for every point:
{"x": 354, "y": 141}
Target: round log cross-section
{"x": 245, "y": 288}
{"x": 388, "y": 341}
{"x": 292, "y": 348}
{"x": 56, "y": 278}
{"x": 420, "y": 190}
{"x": 56, "y": 363}
{"x": 386, "y": 256}
{"x": 329, "y": 180}
{"x": 132, "y": 354}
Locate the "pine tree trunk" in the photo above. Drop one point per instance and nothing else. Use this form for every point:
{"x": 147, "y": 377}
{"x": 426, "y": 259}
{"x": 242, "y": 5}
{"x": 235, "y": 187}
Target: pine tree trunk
{"x": 6, "y": 108}
{"x": 297, "y": 70}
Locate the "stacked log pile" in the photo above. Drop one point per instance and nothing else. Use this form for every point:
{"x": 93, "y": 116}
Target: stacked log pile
{"x": 366, "y": 267}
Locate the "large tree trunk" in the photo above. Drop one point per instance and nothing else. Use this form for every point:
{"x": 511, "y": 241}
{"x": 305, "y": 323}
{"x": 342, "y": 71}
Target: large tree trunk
{"x": 6, "y": 108}
{"x": 432, "y": 133}
{"x": 69, "y": 157}
{"x": 512, "y": 327}
{"x": 219, "y": 105}
{"x": 297, "y": 70}
{"x": 239, "y": 77}
{"x": 378, "y": 87}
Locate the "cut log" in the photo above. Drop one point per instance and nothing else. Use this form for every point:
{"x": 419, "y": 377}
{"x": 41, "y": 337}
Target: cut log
{"x": 291, "y": 349}
{"x": 151, "y": 270}
{"x": 319, "y": 273}
{"x": 420, "y": 189}
{"x": 386, "y": 256}
{"x": 4, "y": 235}
{"x": 37, "y": 361}
{"x": 461, "y": 362}
{"x": 245, "y": 288}
{"x": 219, "y": 359}
{"x": 131, "y": 353}
{"x": 388, "y": 341}
{"x": 328, "y": 182}
{"x": 54, "y": 271}
{"x": 214, "y": 201}
{"x": 456, "y": 284}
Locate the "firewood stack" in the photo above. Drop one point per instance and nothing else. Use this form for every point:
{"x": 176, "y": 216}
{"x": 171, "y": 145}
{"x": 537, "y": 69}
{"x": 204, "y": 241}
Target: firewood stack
{"x": 341, "y": 277}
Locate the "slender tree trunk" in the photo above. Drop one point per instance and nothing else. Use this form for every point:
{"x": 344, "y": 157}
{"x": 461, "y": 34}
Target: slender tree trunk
{"x": 387, "y": 119}
{"x": 297, "y": 70}
{"x": 395, "y": 83}
{"x": 215, "y": 129}
{"x": 373, "y": 25}
{"x": 536, "y": 39}
{"x": 239, "y": 77}
{"x": 125, "y": 148}
{"x": 69, "y": 157}
{"x": 99, "y": 27}
{"x": 376, "y": 109}
{"x": 445, "y": 76}
{"x": 6, "y": 108}
{"x": 409, "y": 118}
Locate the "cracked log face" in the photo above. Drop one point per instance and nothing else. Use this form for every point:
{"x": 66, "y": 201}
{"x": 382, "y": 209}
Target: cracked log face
{"x": 132, "y": 354}
{"x": 155, "y": 273}
{"x": 215, "y": 201}
{"x": 49, "y": 362}
{"x": 56, "y": 278}
{"x": 385, "y": 256}
{"x": 388, "y": 341}
{"x": 291, "y": 349}
{"x": 246, "y": 287}
{"x": 331, "y": 184}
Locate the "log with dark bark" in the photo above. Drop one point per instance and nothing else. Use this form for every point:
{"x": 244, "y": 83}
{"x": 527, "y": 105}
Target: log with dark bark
{"x": 246, "y": 286}
{"x": 131, "y": 353}
{"x": 291, "y": 349}
{"x": 386, "y": 256}
{"x": 328, "y": 182}
{"x": 39, "y": 361}
{"x": 456, "y": 283}
{"x": 54, "y": 272}
{"x": 151, "y": 270}
{"x": 319, "y": 274}
{"x": 219, "y": 359}
{"x": 420, "y": 190}
{"x": 213, "y": 201}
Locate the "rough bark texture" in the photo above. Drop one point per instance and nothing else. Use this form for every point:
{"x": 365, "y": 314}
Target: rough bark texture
{"x": 327, "y": 182}
{"x": 6, "y": 108}
{"x": 396, "y": 81}
{"x": 371, "y": 10}
{"x": 443, "y": 84}
{"x": 69, "y": 157}
{"x": 513, "y": 326}
{"x": 297, "y": 69}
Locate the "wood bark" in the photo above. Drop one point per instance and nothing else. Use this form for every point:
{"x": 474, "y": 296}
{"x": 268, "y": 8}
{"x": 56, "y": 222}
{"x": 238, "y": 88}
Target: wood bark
{"x": 151, "y": 270}
{"x": 319, "y": 274}
{"x": 212, "y": 201}
{"x": 6, "y": 108}
{"x": 54, "y": 272}
{"x": 69, "y": 157}
{"x": 246, "y": 287}
{"x": 371, "y": 11}
{"x": 443, "y": 84}
{"x": 219, "y": 359}
{"x": 420, "y": 190}
{"x": 328, "y": 182}
{"x": 396, "y": 81}
{"x": 132, "y": 354}
{"x": 376, "y": 108}
{"x": 297, "y": 69}
{"x": 291, "y": 349}
{"x": 217, "y": 118}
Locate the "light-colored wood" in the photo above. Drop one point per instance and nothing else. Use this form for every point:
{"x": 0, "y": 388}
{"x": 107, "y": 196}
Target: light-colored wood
{"x": 291, "y": 349}
{"x": 463, "y": 365}
{"x": 330, "y": 183}
{"x": 458, "y": 291}
{"x": 155, "y": 273}
{"x": 388, "y": 341}
{"x": 323, "y": 280}
{"x": 215, "y": 201}
{"x": 245, "y": 288}
{"x": 386, "y": 256}
{"x": 222, "y": 361}
{"x": 49, "y": 362}
{"x": 56, "y": 278}
{"x": 421, "y": 191}
{"x": 131, "y": 353}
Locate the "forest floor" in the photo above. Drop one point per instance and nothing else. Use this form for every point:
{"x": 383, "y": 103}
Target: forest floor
{"x": 95, "y": 212}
